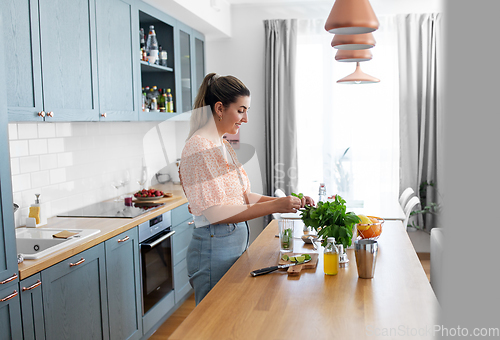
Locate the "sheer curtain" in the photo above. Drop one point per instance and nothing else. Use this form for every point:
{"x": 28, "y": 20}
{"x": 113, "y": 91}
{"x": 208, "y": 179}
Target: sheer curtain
{"x": 348, "y": 135}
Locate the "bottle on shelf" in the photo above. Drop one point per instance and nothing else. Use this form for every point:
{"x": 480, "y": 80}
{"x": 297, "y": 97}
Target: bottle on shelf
{"x": 143, "y": 43}
{"x": 143, "y": 98}
{"x": 156, "y": 93}
{"x": 150, "y": 96}
{"x": 154, "y": 105}
{"x": 146, "y": 95}
{"x": 322, "y": 193}
{"x": 170, "y": 102}
{"x": 152, "y": 46}
{"x": 331, "y": 257}
{"x": 161, "y": 100}
{"x": 164, "y": 101}
{"x": 163, "y": 58}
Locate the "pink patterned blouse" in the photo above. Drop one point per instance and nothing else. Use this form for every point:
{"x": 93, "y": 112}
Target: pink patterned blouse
{"x": 207, "y": 179}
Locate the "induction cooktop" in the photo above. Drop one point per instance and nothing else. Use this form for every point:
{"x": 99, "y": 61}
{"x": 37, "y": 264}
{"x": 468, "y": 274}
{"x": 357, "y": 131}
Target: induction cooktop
{"x": 110, "y": 210}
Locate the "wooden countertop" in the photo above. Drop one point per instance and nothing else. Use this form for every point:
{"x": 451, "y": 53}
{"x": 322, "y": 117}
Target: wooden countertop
{"x": 109, "y": 227}
{"x": 397, "y": 303}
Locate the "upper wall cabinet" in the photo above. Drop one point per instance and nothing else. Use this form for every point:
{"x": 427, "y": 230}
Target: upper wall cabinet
{"x": 116, "y": 22}
{"x": 161, "y": 76}
{"x": 69, "y": 68}
{"x": 22, "y": 58}
{"x": 51, "y": 60}
{"x": 80, "y": 60}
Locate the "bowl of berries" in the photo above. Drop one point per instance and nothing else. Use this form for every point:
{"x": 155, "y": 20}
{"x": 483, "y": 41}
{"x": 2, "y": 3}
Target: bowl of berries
{"x": 148, "y": 195}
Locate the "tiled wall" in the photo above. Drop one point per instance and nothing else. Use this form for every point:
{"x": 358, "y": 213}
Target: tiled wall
{"x": 73, "y": 164}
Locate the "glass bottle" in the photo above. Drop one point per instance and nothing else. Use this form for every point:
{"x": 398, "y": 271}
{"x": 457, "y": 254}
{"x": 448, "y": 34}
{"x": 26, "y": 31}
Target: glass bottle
{"x": 160, "y": 100}
{"x": 152, "y": 46}
{"x": 331, "y": 257}
{"x": 170, "y": 102}
{"x": 322, "y": 192}
{"x": 143, "y": 43}
{"x": 154, "y": 106}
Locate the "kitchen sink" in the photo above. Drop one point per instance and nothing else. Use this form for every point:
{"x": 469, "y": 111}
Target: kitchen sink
{"x": 35, "y": 243}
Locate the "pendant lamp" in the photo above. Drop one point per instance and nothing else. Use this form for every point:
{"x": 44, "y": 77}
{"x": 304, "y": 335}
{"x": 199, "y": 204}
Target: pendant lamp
{"x": 353, "y": 41}
{"x": 351, "y": 17}
{"x": 358, "y": 77}
{"x": 353, "y": 55}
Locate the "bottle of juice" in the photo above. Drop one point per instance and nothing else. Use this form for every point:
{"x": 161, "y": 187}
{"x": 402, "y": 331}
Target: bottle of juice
{"x": 331, "y": 257}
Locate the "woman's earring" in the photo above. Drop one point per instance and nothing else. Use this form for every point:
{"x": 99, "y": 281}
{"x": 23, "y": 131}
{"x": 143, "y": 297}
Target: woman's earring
{"x": 220, "y": 118}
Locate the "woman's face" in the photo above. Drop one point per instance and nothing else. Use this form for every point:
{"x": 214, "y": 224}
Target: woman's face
{"x": 235, "y": 115}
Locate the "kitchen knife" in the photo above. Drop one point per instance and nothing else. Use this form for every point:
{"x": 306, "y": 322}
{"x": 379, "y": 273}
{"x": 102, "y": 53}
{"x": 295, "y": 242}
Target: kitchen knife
{"x": 273, "y": 268}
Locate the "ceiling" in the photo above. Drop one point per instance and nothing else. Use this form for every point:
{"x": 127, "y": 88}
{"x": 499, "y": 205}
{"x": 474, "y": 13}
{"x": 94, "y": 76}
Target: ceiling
{"x": 381, "y": 7}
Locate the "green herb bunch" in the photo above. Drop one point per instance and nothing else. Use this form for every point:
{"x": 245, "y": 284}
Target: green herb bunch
{"x": 330, "y": 219}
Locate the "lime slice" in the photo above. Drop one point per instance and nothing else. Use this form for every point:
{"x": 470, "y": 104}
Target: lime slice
{"x": 300, "y": 258}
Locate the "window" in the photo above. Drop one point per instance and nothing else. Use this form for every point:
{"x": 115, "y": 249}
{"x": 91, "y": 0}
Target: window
{"x": 348, "y": 135}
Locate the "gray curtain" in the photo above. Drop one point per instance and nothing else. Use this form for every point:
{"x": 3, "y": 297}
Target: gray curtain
{"x": 280, "y": 129}
{"x": 419, "y": 48}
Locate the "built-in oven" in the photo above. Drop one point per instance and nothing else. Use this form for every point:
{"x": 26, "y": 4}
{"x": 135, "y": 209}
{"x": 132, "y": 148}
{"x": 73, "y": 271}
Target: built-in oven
{"x": 155, "y": 241}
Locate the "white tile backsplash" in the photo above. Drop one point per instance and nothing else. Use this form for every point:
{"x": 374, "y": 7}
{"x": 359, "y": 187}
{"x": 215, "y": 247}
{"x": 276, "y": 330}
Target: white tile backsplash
{"x": 19, "y": 148}
{"x": 72, "y": 164}
{"x": 37, "y": 146}
{"x": 48, "y": 161}
{"x": 12, "y": 131}
{"x": 27, "y": 131}
{"x": 46, "y": 130}
{"x": 29, "y": 164}
{"x": 55, "y": 145}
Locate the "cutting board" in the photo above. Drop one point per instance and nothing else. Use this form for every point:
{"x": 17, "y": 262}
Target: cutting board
{"x": 159, "y": 200}
{"x": 295, "y": 270}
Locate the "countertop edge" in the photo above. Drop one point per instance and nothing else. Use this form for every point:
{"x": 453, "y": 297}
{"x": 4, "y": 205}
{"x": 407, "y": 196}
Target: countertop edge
{"x": 31, "y": 267}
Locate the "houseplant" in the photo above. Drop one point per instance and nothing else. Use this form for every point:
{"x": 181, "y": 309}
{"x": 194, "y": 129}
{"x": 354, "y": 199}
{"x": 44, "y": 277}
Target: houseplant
{"x": 430, "y": 209}
{"x": 330, "y": 219}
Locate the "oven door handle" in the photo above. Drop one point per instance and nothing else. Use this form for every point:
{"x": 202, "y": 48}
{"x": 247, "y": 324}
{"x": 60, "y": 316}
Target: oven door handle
{"x": 157, "y": 241}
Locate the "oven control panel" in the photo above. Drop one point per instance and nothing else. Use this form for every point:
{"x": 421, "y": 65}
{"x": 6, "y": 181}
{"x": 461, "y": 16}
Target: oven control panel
{"x": 154, "y": 226}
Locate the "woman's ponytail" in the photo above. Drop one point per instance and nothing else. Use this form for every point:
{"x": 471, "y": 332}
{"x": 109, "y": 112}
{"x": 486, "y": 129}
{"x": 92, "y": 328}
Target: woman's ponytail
{"x": 214, "y": 88}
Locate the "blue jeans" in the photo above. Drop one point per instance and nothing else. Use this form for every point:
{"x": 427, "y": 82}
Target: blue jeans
{"x": 211, "y": 252}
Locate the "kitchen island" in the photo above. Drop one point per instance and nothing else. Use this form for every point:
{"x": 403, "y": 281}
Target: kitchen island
{"x": 397, "y": 303}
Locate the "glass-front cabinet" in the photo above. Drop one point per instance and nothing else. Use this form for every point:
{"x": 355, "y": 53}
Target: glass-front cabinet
{"x": 158, "y": 78}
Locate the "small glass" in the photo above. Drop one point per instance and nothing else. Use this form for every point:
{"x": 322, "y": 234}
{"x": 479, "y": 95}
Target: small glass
{"x": 286, "y": 232}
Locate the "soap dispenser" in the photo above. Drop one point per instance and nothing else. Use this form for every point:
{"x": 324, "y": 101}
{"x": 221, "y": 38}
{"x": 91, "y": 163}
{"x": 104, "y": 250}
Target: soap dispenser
{"x": 36, "y": 217}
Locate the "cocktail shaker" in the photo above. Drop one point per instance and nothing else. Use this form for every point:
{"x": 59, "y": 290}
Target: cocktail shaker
{"x": 366, "y": 257}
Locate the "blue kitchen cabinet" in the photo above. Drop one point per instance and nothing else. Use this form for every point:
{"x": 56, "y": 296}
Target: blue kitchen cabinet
{"x": 10, "y": 308}
{"x": 10, "y": 312}
{"x": 74, "y": 297}
{"x": 118, "y": 56}
{"x": 198, "y": 63}
{"x": 182, "y": 223}
{"x": 123, "y": 286}
{"x": 69, "y": 60}
{"x": 32, "y": 308}
{"x": 51, "y": 60}
{"x": 22, "y": 57}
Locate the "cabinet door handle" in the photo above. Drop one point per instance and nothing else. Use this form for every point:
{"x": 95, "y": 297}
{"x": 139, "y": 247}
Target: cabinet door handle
{"x": 8, "y": 297}
{"x": 77, "y": 263}
{"x": 50, "y": 114}
{"x": 103, "y": 114}
{"x": 33, "y": 286}
{"x": 12, "y": 278}
{"x": 41, "y": 114}
{"x": 191, "y": 222}
{"x": 123, "y": 239}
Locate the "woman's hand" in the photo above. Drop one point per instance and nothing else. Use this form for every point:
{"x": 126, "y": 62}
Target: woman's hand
{"x": 288, "y": 204}
{"x": 306, "y": 200}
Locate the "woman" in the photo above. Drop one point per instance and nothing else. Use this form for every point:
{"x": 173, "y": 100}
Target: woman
{"x": 217, "y": 186}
